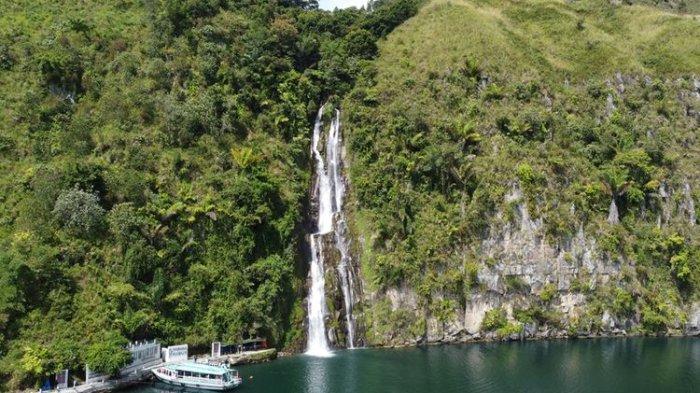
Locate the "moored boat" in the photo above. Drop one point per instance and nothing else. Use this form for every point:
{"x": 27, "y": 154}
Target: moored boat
{"x": 199, "y": 376}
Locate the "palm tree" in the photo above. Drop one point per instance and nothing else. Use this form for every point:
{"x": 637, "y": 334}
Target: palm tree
{"x": 615, "y": 184}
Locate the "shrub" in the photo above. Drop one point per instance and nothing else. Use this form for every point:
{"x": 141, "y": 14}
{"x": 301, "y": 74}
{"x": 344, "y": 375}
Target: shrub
{"x": 494, "y": 319}
{"x": 652, "y": 320}
{"x": 472, "y": 274}
{"x": 623, "y": 304}
{"x": 516, "y": 284}
{"x": 79, "y": 212}
{"x": 510, "y": 329}
{"x": 680, "y": 265}
{"x": 108, "y": 355}
{"x": 360, "y": 43}
{"x": 548, "y": 292}
{"x": 526, "y": 174}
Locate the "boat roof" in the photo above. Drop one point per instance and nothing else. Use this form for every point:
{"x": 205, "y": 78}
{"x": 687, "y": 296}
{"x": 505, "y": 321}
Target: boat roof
{"x": 198, "y": 368}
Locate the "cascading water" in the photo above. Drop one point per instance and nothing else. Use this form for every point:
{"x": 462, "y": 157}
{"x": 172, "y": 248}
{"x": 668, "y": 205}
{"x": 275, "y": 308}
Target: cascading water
{"x": 334, "y": 154}
{"x": 346, "y": 281}
{"x": 330, "y": 191}
{"x": 613, "y": 214}
{"x": 317, "y": 343}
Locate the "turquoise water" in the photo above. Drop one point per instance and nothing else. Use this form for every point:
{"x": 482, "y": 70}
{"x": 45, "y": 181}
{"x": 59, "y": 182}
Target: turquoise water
{"x": 602, "y": 365}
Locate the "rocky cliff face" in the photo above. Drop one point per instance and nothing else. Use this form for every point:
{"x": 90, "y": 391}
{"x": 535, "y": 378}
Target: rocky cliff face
{"x": 516, "y": 175}
{"x": 338, "y": 274}
{"x": 554, "y": 285}
{"x": 523, "y": 272}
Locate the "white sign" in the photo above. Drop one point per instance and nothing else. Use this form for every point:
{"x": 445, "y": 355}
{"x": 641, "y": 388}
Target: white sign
{"x": 176, "y": 353}
{"x": 215, "y": 349}
{"x": 62, "y": 379}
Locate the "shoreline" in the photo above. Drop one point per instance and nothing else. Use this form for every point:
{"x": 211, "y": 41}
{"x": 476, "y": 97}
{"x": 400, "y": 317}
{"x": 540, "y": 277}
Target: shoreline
{"x": 486, "y": 339}
{"x": 145, "y": 377}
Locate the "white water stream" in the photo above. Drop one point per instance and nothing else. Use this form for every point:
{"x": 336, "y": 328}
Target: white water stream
{"x": 330, "y": 191}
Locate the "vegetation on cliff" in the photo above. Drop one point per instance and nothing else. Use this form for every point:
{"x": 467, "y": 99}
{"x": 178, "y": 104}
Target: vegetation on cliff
{"x": 589, "y": 110}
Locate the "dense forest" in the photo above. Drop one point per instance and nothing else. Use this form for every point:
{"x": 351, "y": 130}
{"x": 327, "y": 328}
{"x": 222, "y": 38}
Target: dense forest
{"x": 154, "y": 162}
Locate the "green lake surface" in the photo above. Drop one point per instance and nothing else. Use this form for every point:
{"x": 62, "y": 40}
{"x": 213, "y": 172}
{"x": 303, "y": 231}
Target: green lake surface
{"x": 599, "y": 365}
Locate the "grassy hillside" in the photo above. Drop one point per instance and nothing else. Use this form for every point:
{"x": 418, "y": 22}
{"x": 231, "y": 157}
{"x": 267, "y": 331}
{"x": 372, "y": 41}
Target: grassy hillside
{"x": 579, "y": 104}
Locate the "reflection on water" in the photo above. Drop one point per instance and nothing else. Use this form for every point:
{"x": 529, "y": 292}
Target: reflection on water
{"x": 316, "y": 375}
{"x": 604, "y": 365}
{"x": 160, "y": 387}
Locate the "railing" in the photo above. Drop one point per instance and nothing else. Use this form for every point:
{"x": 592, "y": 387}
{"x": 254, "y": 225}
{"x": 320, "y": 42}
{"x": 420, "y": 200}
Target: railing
{"x": 199, "y": 380}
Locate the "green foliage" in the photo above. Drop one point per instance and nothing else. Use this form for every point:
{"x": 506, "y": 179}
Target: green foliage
{"x": 538, "y": 314}
{"x": 108, "y": 355}
{"x": 653, "y": 320}
{"x": 32, "y": 361}
{"x": 388, "y": 324}
{"x": 79, "y": 212}
{"x": 582, "y": 113}
{"x": 680, "y": 265}
{"x": 510, "y": 329}
{"x": 494, "y": 319}
{"x": 548, "y": 292}
{"x": 623, "y": 303}
{"x": 155, "y": 169}
{"x": 516, "y": 284}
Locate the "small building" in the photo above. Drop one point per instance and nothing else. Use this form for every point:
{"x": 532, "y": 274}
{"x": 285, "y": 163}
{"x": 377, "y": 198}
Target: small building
{"x": 253, "y": 344}
{"x": 218, "y": 349}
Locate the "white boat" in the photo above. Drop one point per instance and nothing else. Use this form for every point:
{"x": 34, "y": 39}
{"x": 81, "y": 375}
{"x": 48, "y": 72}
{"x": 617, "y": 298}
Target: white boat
{"x": 198, "y": 376}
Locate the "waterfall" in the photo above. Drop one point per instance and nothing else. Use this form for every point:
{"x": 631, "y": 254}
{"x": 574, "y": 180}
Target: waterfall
{"x": 689, "y": 204}
{"x": 609, "y": 105}
{"x": 317, "y": 343}
{"x": 346, "y": 281}
{"x": 613, "y": 215}
{"x": 330, "y": 191}
{"x": 323, "y": 180}
{"x": 334, "y": 154}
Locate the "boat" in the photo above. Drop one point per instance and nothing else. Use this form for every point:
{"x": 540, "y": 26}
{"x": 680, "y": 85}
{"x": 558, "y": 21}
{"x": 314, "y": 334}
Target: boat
{"x": 190, "y": 374}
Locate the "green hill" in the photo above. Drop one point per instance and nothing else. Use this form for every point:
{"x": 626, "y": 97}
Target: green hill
{"x": 488, "y": 148}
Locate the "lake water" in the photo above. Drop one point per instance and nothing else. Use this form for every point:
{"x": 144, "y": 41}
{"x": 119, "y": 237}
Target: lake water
{"x": 600, "y": 365}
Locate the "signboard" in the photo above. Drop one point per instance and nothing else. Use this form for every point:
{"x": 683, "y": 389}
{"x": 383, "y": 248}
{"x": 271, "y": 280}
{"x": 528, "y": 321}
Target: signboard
{"x": 176, "y": 353}
{"x": 215, "y": 349}
{"x": 62, "y": 379}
